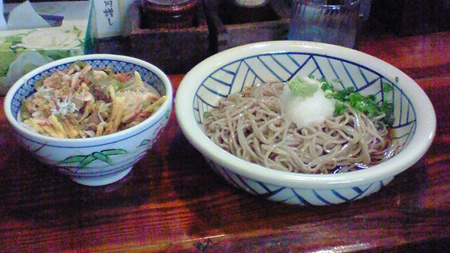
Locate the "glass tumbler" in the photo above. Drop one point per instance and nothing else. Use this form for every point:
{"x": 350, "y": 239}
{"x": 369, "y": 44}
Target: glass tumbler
{"x": 328, "y": 21}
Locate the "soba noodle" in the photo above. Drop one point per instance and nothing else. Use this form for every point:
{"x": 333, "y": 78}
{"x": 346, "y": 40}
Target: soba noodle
{"x": 253, "y": 126}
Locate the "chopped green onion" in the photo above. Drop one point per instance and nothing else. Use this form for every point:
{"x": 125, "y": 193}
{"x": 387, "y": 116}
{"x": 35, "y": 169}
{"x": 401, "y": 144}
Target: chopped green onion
{"x": 365, "y": 104}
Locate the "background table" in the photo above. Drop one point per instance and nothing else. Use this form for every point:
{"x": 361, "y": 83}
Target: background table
{"x": 172, "y": 201}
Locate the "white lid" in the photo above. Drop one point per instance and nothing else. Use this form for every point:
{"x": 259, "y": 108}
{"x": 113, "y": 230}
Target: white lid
{"x": 250, "y": 3}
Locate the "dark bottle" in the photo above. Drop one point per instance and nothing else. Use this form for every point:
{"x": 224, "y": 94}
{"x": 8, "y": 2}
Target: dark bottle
{"x": 170, "y": 14}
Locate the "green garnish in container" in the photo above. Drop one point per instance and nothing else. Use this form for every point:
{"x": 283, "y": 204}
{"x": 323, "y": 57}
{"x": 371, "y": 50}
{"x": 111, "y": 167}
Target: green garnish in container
{"x": 365, "y": 104}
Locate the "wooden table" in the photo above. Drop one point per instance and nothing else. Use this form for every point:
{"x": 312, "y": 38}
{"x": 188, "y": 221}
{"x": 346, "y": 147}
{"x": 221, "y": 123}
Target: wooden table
{"x": 173, "y": 202}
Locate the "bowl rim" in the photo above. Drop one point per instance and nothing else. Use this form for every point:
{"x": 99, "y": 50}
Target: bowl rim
{"x": 100, "y": 140}
{"x": 417, "y": 147}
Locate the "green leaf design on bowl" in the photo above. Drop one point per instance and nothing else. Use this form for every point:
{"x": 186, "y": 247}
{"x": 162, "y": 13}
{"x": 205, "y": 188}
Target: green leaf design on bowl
{"x": 144, "y": 143}
{"x": 84, "y": 160}
{"x": 167, "y": 115}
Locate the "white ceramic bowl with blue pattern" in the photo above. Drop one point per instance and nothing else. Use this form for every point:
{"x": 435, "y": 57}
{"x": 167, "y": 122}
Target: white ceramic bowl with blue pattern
{"x": 99, "y": 160}
{"x": 228, "y": 71}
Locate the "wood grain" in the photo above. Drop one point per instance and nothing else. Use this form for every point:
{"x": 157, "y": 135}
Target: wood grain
{"x": 172, "y": 201}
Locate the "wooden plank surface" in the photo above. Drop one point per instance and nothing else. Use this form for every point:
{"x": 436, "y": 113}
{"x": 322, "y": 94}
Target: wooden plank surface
{"x": 172, "y": 201}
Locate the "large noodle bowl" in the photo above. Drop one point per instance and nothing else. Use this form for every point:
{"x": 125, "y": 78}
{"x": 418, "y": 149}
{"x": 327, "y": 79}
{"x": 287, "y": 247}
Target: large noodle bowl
{"x": 254, "y": 126}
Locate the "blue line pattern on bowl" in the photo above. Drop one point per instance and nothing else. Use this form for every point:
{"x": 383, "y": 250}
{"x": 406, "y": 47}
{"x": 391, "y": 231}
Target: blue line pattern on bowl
{"x": 250, "y": 71}
{"x": 298, "y": 196}
{"x": 234, "y": 76}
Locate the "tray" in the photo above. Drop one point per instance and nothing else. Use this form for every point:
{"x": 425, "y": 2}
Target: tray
{"x": 226, "y": 32}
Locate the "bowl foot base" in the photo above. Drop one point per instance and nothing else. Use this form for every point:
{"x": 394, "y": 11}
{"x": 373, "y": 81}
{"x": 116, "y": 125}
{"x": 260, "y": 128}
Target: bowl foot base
{"x": 96, "y": 181}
